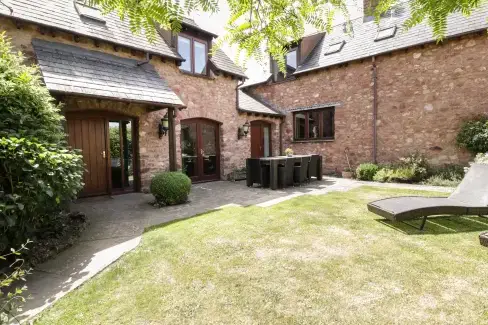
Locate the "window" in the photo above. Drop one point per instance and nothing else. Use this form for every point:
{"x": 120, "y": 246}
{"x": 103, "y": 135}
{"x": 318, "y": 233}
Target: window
{"x": 314, "y": 124}
{"x": 85, "y": 10}
{"x": 291, "y": 59}
{"x": 335, "y": 47}
{"x": 195, "y": 54}
{"x": 385, "y": 33}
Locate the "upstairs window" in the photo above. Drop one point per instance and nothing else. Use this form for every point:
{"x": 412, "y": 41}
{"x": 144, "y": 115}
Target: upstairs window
{"x": 385, "y": 33}
{"x": 85, "y": 10}
{"x": 194, "y": 52}
{"x": 315, "y": 124}
{"x": 335, "y": 47}
{"x": 291, "y": 60}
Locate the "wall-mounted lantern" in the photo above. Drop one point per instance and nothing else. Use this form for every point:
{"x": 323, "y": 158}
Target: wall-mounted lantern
{"x": 163, "y": 126}
{"x": 243, "y": 130}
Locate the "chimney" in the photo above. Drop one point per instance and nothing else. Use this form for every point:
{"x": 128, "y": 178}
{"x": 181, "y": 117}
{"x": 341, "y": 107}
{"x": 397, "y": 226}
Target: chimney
{"x": 368, "y": 9}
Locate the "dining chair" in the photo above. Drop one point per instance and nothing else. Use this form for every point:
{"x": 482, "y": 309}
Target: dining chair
{"x": 256, "y": 172}
{"x": 300, "y": 172}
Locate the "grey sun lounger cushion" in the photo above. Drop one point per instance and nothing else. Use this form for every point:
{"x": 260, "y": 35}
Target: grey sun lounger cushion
{"x": 469, "y": 198}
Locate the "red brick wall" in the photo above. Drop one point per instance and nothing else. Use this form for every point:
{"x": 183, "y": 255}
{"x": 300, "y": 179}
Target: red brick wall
{"x": 212, "y": 98}
{"x": 424, "y": 94}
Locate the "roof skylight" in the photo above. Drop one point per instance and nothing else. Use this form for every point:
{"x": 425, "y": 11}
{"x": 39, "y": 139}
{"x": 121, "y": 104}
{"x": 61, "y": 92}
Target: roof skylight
{"x": 86, "y": 11}
{"x": 384, "y": 33}
{"x": 335, "y": 47}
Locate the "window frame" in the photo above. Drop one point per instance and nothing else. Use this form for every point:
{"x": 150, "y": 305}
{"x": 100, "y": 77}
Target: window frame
{"x": 295, "y": 49}
{"x": 321, "y": 124}
{"x": 192, "y": 40}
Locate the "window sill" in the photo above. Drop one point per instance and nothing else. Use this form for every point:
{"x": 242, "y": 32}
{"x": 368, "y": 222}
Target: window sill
{"x": 313, "y": 141}
{"x": 203, "y": 76}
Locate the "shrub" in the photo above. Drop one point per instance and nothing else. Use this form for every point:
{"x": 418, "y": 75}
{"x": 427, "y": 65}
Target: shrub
{"x": 481, "y": 158}
{"x": 383, "y": 175}
{"x": 11, "y": 300}
{"x": 418, "y": 167}
{"x": 38, "y": 173}
{"x": 366, "y": 171}
{"x": 402, "y": 175}
{"x": 438, "y": 180}
{"x": 170, "y": 188}
{"x": 474, "y": 135}
{"x": 35, "y": 181}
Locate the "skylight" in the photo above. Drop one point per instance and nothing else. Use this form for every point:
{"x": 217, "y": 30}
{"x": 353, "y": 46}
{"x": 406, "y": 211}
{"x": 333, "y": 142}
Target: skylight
{"x": 335, "y": 47}
{"x": 86, "y": 11}
{"x": 384, "y": 33}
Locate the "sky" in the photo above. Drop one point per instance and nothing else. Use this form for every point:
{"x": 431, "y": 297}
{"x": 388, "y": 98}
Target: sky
{"x": 254, "y": 70}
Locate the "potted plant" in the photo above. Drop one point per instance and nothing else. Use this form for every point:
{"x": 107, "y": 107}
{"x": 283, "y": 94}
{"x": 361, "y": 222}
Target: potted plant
{"x": 289, "y": 152}
{"x": 347, "y": 173}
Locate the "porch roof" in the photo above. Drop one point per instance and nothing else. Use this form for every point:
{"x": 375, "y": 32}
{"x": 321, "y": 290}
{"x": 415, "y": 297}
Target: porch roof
{"x": 73, "y": 70}
{"x": 250, "y": 104}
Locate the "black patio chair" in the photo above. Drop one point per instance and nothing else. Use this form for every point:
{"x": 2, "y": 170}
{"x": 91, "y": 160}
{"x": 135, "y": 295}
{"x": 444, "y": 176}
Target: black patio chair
{"x": 300, "y": 172}
{"x": 256, "y": 172}
{"x": 469, "y": 198}
{"x": 285, "y": 173}
{"x": 313, "y": 167}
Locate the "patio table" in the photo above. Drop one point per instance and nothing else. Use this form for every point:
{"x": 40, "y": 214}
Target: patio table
{"x": 275, "y": 161}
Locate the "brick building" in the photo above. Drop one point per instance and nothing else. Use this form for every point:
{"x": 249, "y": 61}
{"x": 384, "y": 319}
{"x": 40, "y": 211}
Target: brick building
{"x": 136, "y": 108}
{"x": 118, "y": 89}
{"x": 381, "y": 92}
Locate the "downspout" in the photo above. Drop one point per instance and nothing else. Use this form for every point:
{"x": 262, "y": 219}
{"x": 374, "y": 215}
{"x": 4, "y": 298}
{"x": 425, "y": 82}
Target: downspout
{"x": 237, "y": 93}
{"x": 148, "y": 59}
{"x": 375, "y": 108}
{"x": 282, "y": 122}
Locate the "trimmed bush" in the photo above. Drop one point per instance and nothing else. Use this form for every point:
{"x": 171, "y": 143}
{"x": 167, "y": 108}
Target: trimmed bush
{"x": 170, "y": 188}
{"x": 366, "y": 172}
{"x": 474, "y": 135}
{"x": 418, "y": 168}
{"x": 402, "y": 175}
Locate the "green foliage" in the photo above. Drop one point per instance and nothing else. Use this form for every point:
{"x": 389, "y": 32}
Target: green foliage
{"x": 170, "y": 188}
{"x": 383, "y": 175}
{"x": 366, "y": 171}
{"x": 474, "y": 135}
{"x": 37, "y": 171}
{"x": 26, "y": 109}
{"x": 12, "y": 299}
{"x": 481, "y": 158}
{"x": 114, "y": 135}
{"x": 417, "y": 164}
{"x": 273, "y": 24}
{"x": 35, "y": 180}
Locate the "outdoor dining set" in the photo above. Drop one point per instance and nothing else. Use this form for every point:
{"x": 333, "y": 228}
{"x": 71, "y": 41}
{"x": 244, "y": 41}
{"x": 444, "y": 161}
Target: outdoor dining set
{"x": 283, "y": 171}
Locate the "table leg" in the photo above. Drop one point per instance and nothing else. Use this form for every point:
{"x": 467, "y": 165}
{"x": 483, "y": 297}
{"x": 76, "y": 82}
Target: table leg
{"x": 319, "y": 167}
{"x": 273, "y": 171}
{"x": 248, "y": 175}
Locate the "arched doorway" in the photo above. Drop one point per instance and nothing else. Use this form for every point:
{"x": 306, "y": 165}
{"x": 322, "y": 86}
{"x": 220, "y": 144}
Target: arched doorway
{"x": 260, "y": 139}
{"x": 200, "y": 149}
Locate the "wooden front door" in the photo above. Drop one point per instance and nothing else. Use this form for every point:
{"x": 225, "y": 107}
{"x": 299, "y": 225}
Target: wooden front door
{"x": 200, "y": 150}
{"x": 260, "y": 139}
{"x": 90, "y": 136}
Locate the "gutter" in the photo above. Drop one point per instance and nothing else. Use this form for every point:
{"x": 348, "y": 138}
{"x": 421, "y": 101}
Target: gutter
{"x": 375, "y": 107}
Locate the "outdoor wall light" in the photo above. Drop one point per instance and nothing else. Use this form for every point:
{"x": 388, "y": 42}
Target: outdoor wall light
{"x": 163, "y": 126}
{"x": 242, "y": 131}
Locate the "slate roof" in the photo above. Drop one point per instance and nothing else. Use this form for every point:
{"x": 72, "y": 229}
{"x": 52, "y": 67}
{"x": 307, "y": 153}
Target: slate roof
{"x": 362, "y": 44}
{"x": 70, "y": 69}
{"x": 251, "y": 105}
{"x": 222, "y": 62}
{"x": 191, "y": 23}
{"x": 62, "y": 14}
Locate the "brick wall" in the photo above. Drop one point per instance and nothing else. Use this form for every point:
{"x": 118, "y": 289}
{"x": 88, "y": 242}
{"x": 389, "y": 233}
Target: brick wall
{"x": 424, "y": 94}
{"x": 210, "y": 98}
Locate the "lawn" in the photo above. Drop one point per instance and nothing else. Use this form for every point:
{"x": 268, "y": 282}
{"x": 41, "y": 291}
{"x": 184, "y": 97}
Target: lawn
{"x": 309, "y": 260}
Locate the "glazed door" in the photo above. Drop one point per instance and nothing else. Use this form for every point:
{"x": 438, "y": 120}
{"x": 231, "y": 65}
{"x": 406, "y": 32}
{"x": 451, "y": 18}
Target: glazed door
{"x": 200, "y": 150}
{"x": 90, "y": 136}
{"x": 260, "y": 139}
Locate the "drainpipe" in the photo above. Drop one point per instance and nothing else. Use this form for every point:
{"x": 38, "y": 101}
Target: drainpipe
{"x": 148, "y": 58}
{"x": 282, "y": 123}
{"x": 237, "y": 93}
{"x": 375, "y": 108}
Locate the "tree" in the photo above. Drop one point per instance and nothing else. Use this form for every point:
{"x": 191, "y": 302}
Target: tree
{"x": 273, "y": 24}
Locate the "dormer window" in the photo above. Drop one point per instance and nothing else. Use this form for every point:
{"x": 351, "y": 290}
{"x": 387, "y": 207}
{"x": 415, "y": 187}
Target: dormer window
{"x": 195, "y": 53}
{"x": 291, "y": 60}
{"x": 90, "y": 12}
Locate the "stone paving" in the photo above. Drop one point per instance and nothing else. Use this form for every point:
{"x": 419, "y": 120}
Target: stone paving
{"x": 117, "y": 223}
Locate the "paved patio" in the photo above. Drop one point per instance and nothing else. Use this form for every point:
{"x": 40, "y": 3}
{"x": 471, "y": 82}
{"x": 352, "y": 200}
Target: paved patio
{"x": 116, "y": 225}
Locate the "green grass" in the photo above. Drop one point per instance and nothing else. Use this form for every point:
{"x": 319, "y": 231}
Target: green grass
{"x": 310, "y": 260}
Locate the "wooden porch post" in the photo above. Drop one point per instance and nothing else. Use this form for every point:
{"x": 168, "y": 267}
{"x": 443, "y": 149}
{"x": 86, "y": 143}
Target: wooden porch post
{"x": 172, "y": 140}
